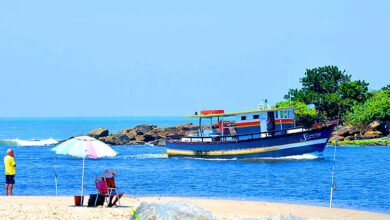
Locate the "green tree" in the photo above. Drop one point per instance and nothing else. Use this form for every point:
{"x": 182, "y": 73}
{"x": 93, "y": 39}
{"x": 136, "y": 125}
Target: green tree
{"x": 329, "y": 89}
{"x": 304, "y": 115}
{"x": 386, "y": 87}
{"x": 376, "y": 107}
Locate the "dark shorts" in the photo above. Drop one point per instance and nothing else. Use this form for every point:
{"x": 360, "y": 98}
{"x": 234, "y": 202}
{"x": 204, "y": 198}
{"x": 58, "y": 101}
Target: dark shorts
{"x": 9, "y": 179}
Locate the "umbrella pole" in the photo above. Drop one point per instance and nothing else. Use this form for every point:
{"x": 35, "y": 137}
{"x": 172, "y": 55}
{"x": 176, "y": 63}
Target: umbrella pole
{"x": 82, "y": 180}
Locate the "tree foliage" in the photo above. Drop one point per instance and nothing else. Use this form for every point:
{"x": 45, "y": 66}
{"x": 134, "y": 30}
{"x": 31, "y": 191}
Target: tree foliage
{"x": 376, "y": 107}
{"x": 386, "y": 87}
{"x": 304, "y": 115}
{"x": 329, "y": 89}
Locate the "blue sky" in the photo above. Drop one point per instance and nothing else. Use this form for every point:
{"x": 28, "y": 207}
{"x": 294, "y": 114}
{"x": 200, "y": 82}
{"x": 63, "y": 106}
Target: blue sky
{"x": 156, "y": 58}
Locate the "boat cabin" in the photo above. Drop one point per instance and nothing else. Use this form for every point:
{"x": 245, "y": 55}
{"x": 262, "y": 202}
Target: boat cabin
{"x": 246, "y": 122}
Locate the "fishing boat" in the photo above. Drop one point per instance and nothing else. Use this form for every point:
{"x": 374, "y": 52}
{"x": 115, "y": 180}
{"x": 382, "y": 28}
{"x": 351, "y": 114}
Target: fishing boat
{"x": 262, "y": 133}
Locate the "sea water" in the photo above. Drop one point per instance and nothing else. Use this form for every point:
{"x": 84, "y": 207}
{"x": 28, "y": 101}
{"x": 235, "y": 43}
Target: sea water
{"x": 362, "y": 174}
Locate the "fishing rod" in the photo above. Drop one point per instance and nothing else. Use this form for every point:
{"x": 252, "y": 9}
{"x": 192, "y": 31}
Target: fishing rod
{"x": 333, "y": 185}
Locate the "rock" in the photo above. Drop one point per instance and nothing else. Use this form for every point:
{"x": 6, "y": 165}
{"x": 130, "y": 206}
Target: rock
{"x": 148, "y": 137}
{"x": 373, "y": 126}
{"x": 98, "y": 133}
{"x": 373, "y": 134}
{"x": 139, "y": 138}
{"x": 112, "y": 140}
{"x": 188, "y": 127}
{"x": 173, "y": 210}
{"x": 361, "y": 137}
{"x": 380, "y": 143}
{"x": 349, "y": 138}
{"x": 346, "y": 131}
{"x": 161, "y": 142}
{"x": 172, "y": 130}
{"x": 334, "y": 138}
{"x": 144, "y": 128}
{"x": 153, "y": 143}
{"x": 124, "y": 139}
{"x": 125, "y": 131}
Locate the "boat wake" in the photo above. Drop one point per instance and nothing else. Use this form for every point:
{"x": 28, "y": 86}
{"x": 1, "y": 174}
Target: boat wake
{"x": 295, "y": 157}
{"x": 145, "y": 156}
{"x": 28, "y": 143}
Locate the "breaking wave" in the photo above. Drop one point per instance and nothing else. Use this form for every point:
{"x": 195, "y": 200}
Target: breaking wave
{"x": 29, "y": 143}
{"x": 146, "y": 156}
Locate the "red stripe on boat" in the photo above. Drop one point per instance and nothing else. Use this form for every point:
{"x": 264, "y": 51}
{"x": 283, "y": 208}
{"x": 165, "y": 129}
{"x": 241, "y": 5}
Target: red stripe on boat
{"x": 248, "y": 124}
{"x": 211, "y": 112}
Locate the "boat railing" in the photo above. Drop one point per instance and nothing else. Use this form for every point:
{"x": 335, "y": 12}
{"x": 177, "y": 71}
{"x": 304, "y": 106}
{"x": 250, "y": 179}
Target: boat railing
{"x": 237, "y": 137}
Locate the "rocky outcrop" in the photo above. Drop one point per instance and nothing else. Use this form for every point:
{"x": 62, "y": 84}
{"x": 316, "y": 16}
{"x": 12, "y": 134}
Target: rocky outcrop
{"x": 373, "y": 134}
{"x": 152, "y": 135}
{"x": 98, "y": 133}
{"x": 375, "y": 129}
{"x": 143, "y": 134}
{"x": 111, "y": 140}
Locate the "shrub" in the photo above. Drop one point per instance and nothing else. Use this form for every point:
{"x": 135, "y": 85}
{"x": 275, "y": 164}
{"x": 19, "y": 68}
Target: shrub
{"x": 304, "y": 115}
{"x": 377, "y": 107}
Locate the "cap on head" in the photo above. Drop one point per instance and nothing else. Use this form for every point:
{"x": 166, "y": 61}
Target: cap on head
{"x": 10, "y": 151}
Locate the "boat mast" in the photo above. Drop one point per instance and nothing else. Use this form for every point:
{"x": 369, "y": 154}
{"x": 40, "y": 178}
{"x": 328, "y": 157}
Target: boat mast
{"x": 200, "y": 126}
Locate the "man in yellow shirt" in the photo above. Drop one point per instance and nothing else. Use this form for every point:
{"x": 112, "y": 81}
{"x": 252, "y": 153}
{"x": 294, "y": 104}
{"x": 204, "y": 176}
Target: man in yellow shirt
{"x": 10, "y": 171}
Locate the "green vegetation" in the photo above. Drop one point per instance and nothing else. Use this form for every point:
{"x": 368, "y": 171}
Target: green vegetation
{"x": 304, "y": 115}
{"x": 386, "y": 87}
{"x": 377, "y": 107}
{"x": 329, "y": 89}
{"x": 366, "y": 142}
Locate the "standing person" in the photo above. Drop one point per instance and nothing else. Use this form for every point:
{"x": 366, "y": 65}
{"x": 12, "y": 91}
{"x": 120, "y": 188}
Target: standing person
{"x": 10, "y": 171}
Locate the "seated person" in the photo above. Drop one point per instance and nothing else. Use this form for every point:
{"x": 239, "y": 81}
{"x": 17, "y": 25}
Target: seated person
{"x": 109, "y": 173}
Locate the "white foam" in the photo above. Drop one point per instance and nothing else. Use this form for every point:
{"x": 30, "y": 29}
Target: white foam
{"x": 146, "y": 156}
{"x": 20, "y": 142}
{"x": 213, "y": 159}
{"x": 295, "y": 157}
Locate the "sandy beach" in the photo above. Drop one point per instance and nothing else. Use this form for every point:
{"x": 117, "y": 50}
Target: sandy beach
{"x": 33, "y": 207}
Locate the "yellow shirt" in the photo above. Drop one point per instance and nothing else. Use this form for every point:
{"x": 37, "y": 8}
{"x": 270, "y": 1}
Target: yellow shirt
{"x": 9, "y": 164}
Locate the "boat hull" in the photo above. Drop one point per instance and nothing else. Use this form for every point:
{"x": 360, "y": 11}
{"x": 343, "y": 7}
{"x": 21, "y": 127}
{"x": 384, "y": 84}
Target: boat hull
{"x": 275, "y": 146}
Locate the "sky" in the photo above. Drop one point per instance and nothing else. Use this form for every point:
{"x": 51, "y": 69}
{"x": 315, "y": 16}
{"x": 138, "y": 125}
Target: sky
{"x": 172, "y": 58}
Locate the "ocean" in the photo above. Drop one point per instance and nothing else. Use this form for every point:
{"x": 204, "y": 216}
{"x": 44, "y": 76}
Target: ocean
{"x": 362, "y": 174}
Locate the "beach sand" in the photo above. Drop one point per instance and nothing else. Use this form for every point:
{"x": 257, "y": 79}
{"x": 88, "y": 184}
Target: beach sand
{"x": 33, "y": 207}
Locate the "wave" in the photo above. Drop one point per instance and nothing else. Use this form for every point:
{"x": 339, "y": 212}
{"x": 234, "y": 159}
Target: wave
{"x": 295, "y": 157}
{"x": 146, "y": 156}
{"x": 29, "y": 143}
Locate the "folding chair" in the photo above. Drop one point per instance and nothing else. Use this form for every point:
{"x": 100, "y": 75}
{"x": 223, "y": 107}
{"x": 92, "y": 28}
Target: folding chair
{"x": 102, "y": 189}
{"x": 113, "y": 190}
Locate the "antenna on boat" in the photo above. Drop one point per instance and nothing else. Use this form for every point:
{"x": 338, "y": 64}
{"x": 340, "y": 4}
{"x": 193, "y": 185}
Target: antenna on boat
{"x": 289, "y": 86}
{"x": 263, "y": 104}
{"x": 333, "y": 185}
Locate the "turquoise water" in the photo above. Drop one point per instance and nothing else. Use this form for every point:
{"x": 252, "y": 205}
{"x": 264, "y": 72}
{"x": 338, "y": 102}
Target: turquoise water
{"x": 362, "y": 173}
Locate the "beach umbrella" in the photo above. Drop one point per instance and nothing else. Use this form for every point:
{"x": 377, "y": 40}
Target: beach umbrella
{"x": 84, "y": 146}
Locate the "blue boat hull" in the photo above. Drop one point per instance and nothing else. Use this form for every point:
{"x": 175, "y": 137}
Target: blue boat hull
{"x": 276, "y": 146}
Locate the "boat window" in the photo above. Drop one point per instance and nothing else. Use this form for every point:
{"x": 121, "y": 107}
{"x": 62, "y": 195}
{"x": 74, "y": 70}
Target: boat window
{"x": 243, "y": 118}
{"x": 255, "y": 116}
{"x": 276, "y": 114}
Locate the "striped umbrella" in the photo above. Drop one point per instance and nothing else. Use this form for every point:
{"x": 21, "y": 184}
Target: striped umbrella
{"x": 84, "y": 146}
